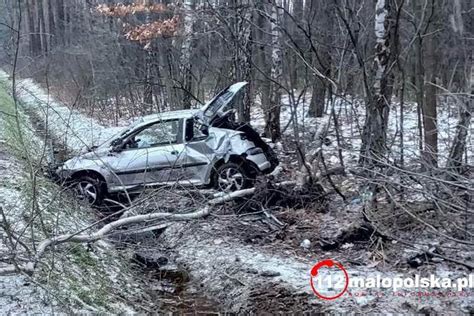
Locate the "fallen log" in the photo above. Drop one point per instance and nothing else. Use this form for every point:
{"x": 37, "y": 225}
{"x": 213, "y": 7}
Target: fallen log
{"x": 223, "y": 197}
{"x": 101, "y": 233}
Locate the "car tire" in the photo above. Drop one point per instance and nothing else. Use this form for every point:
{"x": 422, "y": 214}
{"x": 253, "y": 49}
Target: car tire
{"x": 89, "y": 189}
{"x": 231, "y": 177}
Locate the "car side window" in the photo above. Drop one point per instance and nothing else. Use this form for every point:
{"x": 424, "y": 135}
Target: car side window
{"x": 193, "y": 132}
{"x": 161, "y": 133}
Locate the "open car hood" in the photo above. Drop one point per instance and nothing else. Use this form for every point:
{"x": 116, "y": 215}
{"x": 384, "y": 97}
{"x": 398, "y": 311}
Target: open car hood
{"x": 219, "y": 104}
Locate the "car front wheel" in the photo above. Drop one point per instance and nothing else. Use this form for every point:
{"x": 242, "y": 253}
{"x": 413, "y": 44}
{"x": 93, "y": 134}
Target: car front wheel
{"x": 231, "y": 177}
{"x": 89, "y": 189}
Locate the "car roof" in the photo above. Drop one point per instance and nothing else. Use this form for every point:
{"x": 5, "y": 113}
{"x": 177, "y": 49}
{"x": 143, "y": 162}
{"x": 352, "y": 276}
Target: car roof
{"x": 170, "y": 115}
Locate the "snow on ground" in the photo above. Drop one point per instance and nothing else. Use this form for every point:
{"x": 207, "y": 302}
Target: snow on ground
{"x": 351, "y": 115}
{"x": 77, "y": 278}
{"x": 18, "y": 295}
{"x": 68, "y": 126}
{"x": 208, "y": 252}
{"x": 78, "y": 131}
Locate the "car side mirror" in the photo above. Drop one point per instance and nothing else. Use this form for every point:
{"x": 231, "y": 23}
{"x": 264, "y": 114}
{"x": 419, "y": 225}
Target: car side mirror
{"x": 117, "y": 145}
{"x": 117, "y": 149}
{"x": 116, "y": 142}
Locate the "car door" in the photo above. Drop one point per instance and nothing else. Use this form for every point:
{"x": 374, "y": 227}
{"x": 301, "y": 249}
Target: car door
{"x": 165, "y": 164}
{"x": 197, "y": 155}
{"x": 128, "y": 166}
{"x": 151, "y": 155}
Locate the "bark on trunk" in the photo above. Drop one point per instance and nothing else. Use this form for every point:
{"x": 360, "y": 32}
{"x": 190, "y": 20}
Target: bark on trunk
{"x": 321, "y": 57}
{"x": 430, "y": 150}
{"x": 51, "y": 24}
{"x": 430, "y": 116}
{"x": 466, "y": 102}
{"x": 32, "y": 38}
{"x": 186, "y": 74}
{"x": 462, "y": 129}
{"x": 316, "y": 108}
{"x": 272, "y": 128}
{"x": 375, "y": 129}
{"x": 42, "y": 26}
{"x": 148, "y": 88}
{"x": 243, "y": 55}
{"x": 61, "y": 22}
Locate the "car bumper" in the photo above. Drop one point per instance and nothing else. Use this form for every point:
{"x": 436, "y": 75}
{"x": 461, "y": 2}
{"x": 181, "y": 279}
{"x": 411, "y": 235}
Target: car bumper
{"x": 261, "y": 161}
{"x": 62, "y": 173}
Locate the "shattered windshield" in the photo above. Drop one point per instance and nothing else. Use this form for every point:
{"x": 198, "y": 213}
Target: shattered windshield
{"x": 116, "y": 138}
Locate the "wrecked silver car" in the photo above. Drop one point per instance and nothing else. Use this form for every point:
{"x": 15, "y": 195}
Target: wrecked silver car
{"x": 203, "y": 147}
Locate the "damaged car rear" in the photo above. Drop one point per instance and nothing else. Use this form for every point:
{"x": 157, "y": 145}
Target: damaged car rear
{"x": 205, "y": 147}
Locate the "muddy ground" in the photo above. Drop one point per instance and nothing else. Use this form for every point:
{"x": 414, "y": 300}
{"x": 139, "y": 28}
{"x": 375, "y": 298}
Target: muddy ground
{"x": 244, "y": 259}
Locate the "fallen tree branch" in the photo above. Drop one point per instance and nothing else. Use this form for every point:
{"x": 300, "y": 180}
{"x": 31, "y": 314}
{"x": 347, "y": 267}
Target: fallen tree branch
{"x": 387, "y": 235}
{"x": 142, "y": 230}
{"x": 101, "y": 233}
{"x": 463, "y": 263}
{"x": 226, "y": 197}
{"x": 80, "y": 237}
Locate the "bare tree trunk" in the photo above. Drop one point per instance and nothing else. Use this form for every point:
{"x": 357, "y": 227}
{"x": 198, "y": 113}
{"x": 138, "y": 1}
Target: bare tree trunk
{"x": 272, "y": 117}
{"x": 429, "y": 107}
{"x": 459, "y": 144}
{"x": 61, "y": 22}
{"x": 299, "y": 40}
{"x": 321, "y": 58}
{"x": 42, "y": 10}
{"x": 51, "y": 24}
{"x": 148, "y": 89}
{"x": 466, "y": 101}
{"x": 316, "y": 107}
{"x": 419, "y": 85}
{"x": 186, "y": 73}
{"x": 376, "y": 118}
{"x": 32, "y": 39}
{"x": 430, "y": 151}
{"x": 262, "y": 53}
{"x": 243, "y": 55}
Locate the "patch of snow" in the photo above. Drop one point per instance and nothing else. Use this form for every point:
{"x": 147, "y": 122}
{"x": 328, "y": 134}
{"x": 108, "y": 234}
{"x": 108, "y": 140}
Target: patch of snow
{"x": 70, "y": 127}
{"x": 351, "y": 116}
{"x": 96, "y": 274}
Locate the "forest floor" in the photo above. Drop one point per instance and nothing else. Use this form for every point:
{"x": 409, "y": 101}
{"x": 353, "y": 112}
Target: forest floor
{"x": 241, "y": 259}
